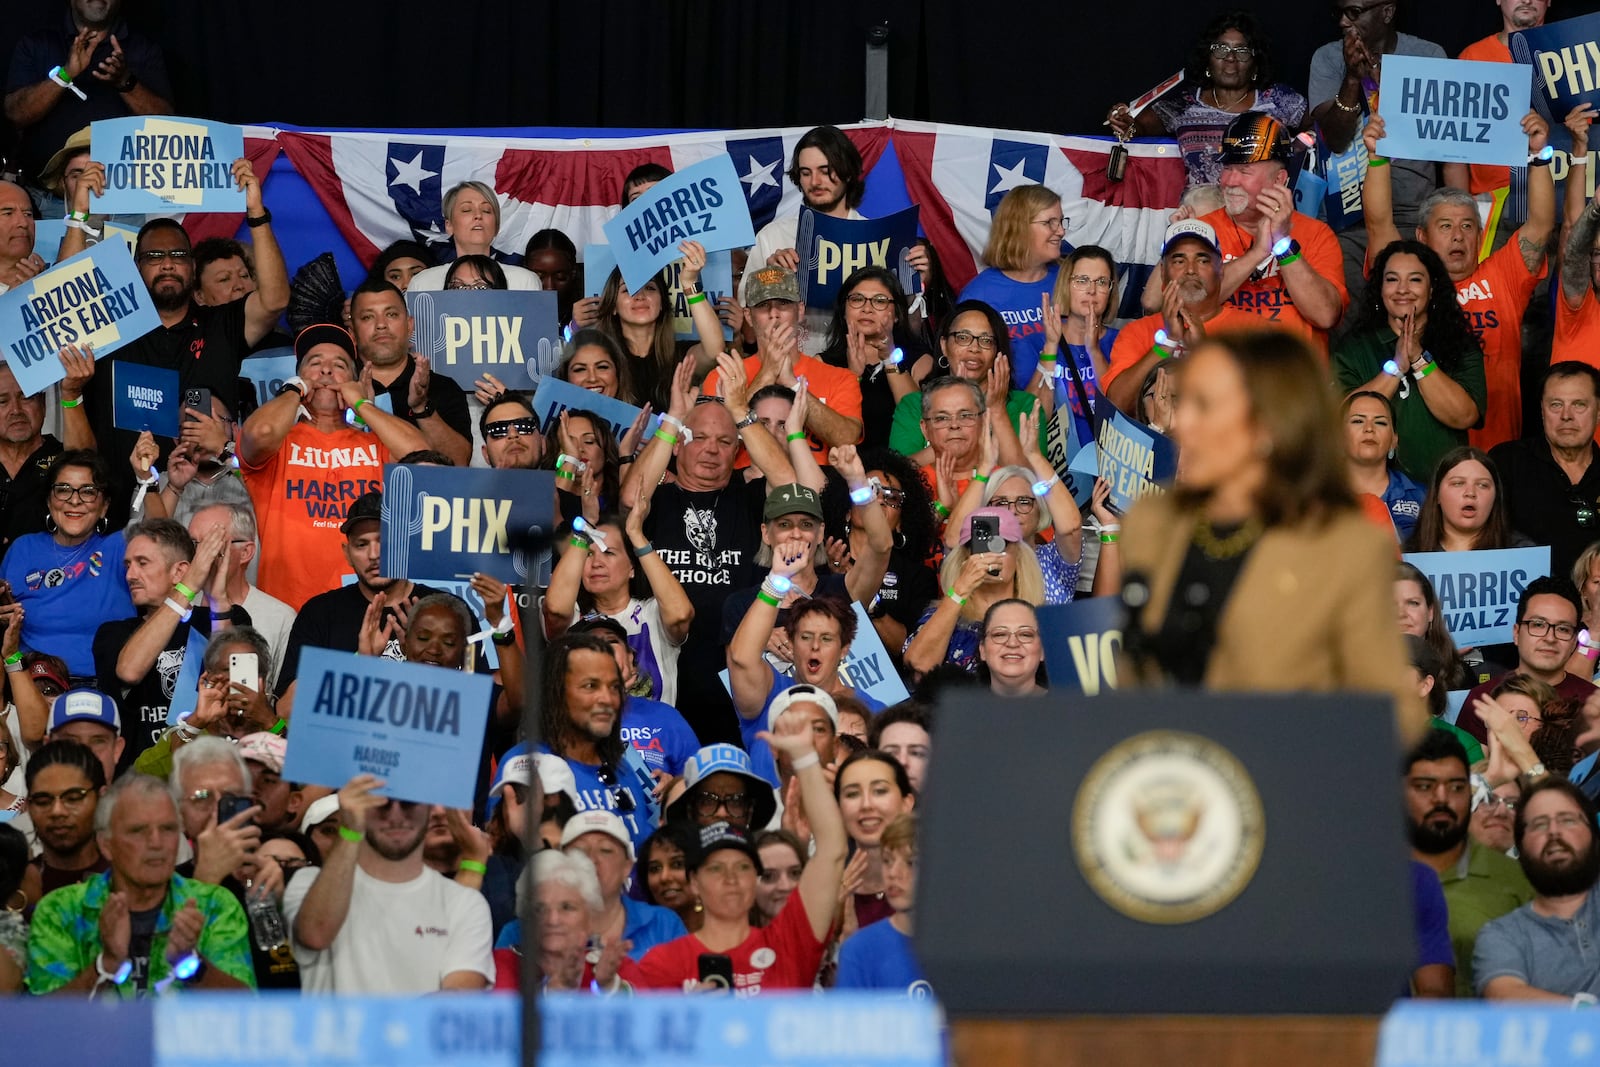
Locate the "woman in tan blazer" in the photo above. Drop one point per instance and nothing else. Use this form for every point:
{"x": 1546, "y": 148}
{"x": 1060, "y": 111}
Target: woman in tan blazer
{"x": 1258, "y": 571}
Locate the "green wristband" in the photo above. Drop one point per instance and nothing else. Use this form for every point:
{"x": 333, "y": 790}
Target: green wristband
{"x": 279, "y": 727}
{"x": 472, "y": 865}
{"x": 351, "y": 835}
{"x": 798, "y": 435}
{"x": 1376, "y": 161}
{"x": 984, "y": 478}
{"x": 188, "y": 593}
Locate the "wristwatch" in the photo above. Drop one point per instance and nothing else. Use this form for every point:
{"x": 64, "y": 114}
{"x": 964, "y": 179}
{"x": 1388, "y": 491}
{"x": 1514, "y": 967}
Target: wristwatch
{"x": 297, "y": 383}
{"x": 425, "y": 413}
{"x": 262, "y": 219}
{"x": 748, "y": 421}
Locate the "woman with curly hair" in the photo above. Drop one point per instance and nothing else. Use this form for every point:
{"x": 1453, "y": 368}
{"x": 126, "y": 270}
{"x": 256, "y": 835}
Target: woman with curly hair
{"x": 1229, "y": 72}
{"x": 1410, "y": 341}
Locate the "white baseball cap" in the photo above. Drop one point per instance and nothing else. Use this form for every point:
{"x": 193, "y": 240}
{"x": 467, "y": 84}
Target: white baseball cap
{"x": 597, "y": 822}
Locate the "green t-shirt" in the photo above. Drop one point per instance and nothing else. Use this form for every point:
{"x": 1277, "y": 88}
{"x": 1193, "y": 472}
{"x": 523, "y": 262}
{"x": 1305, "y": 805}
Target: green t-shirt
{"x": 1359, "y": 358}
{"x": 1485, "y": 886}
{"x": 905, "y": 435}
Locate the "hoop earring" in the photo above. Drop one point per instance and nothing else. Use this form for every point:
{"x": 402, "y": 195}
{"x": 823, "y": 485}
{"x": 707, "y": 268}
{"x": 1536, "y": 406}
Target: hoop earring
{"x": 49, "y": 523}
{"x": 17, "y": 901}
{"x": 103, "y": 525}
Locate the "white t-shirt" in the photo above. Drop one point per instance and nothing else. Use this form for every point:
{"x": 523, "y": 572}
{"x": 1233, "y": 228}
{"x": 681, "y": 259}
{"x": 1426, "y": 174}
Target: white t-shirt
{"x": 273, "y": 619}
{"x": 398, "y": 937}
{"x": 432, "y": 279}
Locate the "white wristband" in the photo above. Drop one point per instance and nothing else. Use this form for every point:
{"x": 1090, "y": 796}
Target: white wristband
{"x": 801, "y": 763}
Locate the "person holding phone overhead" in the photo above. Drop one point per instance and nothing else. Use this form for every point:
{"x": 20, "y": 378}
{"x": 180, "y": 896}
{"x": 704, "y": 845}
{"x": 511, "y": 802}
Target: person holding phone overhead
{"x": 724, "y": 871}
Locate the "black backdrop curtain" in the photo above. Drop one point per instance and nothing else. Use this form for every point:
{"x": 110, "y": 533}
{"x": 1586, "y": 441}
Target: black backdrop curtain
{"x": 699, "y": 63}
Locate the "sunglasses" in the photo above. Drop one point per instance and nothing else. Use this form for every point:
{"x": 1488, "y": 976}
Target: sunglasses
{"x": 619, "y": 796}
{"x": 499, "y": 430}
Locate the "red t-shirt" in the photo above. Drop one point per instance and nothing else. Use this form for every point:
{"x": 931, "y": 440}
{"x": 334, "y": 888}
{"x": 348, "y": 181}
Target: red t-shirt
{"x": 1494, "y": 298}
{"x": 1135, "y": 340}
{"x": 784, "y": 955}
{"x": 1266, "y": 296}
{"x": 834, "y": 387}
{"x": 508, "y": 971}
{"x": 301, "y": 493}
{"x": 1483, "y": 178}
{"x": 1573, "y": 690}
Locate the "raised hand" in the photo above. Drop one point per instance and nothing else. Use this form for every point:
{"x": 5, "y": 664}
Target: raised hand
{"x": 187, "y": 922}
{"x": 1051, "y": 317}
{"x": 244, "y": 178}
{"x": 144, "y": 455}
{"x": 79, "y": 364}
{"x": 631, "y": 440}
{"x": 1374, "y": 132}
{"x": 114, "y": 68}
{"x": 493, "y": 593}
{"x": 358, "y": 800}
{"x": 843, "y": 458}
{"x": 796, "y": 420}
{"x": 694, "y": 261}
{"x": 421, "y": 376}
{"x": 488, "y": 389}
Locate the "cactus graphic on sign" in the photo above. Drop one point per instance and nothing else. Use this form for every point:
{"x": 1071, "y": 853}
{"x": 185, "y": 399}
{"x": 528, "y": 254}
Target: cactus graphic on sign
{"x": 399, "y": 515}
{"x": 427, "y": 333}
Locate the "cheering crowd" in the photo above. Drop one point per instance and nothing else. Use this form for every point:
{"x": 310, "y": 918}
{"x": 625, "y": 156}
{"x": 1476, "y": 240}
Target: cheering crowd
{"x": 723, "y": 804}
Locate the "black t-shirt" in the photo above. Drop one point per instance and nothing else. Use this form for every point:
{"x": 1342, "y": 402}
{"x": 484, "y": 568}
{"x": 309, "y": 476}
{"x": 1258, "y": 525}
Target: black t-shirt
{"x": 877, "y": 399}
{"x": 444, "y": 396}
{"x": 1544, "y": 505}
{"x": 143, "y": 927}
{"x": 908, "y": 586}
{"x": 1188, "y": 634}
{"x": 333, "y": 620}
{"x": 23, "y": 499}
{"x": 144, "y": 704}
{"x": 738, "y": 604}
{"x": 709, "y": 540}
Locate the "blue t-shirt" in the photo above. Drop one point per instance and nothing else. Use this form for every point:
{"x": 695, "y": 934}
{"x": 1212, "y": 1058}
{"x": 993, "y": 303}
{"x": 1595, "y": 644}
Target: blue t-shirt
{"x": 1018, "y": 304}
{"x": 1067, "y": 393}
{"x": 1404, "y": 497}
{"x": 639, "y": 812}
{"x": 68, "y": 593}
{"x": 761, "y": 761}
{"x": 1432, "y": 917}
{"x": 659, "y": 733}
{"x": 880, "y": 957}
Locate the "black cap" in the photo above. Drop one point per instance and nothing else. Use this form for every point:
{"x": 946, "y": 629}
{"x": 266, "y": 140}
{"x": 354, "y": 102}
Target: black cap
{"x": 367, "y": 506}
{"x": 323, "y": 333}
{"x": 721, "y": 835}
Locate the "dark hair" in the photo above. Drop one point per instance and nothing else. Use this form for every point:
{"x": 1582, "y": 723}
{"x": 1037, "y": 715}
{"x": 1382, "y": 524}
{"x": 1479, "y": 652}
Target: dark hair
{"x": 644, "y": 172}
{"x": 1550, "y": 585}
{"x": 1571, "y": 368}
{"x": 598, "y": 338}
{"x": 874, "y": 755}
{"x": 787, "y": 838}
{"x": 170, "y": 535}
{"x": 1555, "y": 742}
{"x": 424, "y": 456}
{"x": 555, "y": 724}
{"x": 1427, "y": 662}
{"x": 510, "y": 396}
{"x": 938, "y": 296}
{"x": 67, "y": 754}
{"x": 663, "y": 344}
{"x": 1366, "y": 394}
{"x": 486, "y": 267}
{"x": 1438, "y": 637}
{"x": 307, "y": 847}
{"x": 915, "y": 535}
{"x": 13, "y": 861}
{"x": 1496, "y": 530}
{"x": 99, "y": 469}
{"x": 215, "y": 249}
{"x": 1041, "y": 676}
{"x": 1447, "y": 335}
{"x": 1555, "y": 782}
{"x": 377, "y": 284}
{"x": 831, "y": 607}
{"x": 912, "y": 711}
{"x": 835, "y": 349}
{"x": 163, "y": 223}
{"x": 997, "y": 326}
{"x": 1198, "y": 68}
{"x": 1435, "y": 745}
{"x": 1083, "y": 252}
{"x": 1308, "y": 476}
{"x": 398, "y": 250}
{"x": 681, "y": 835}
{"x": 610, "y": 476}
{"x": 551, "y": 238}
{"x": 842, "y": 156}
{"x": 638, "y": 585}
{"x": 771, "y": 392}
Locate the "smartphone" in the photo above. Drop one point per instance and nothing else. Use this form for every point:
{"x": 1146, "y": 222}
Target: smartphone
{"x": 231, "y": 804}
{"x": 199, "y": 399}
{"x": 716, "y": 971}
{"x": 986, "y": 538}
{"x": 244, "y": 669}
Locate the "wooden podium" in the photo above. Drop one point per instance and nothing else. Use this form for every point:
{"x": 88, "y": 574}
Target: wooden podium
{"x": 1191, "y": 1040}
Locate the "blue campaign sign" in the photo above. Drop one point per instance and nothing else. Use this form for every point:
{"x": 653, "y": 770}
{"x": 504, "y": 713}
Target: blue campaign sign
{"x": 444, "y": 522}
{"x": 1134, "y": 460}
{"x": 1082, "y": 640}
{"x": 555, "y": 396}
{"x": 511, "y": 334}
{"x": 598, "y": 263}
{"x": 868, "y": 668}
{"x": 833, "y": 249}
{"x": 418, "y": 727}
{"x": 94, "y": 298}
{"x": 1454, "y": 111}
{"x": 716, "y": 281}
{"x": 267, "y": 371}
{"x": 48, "y": 234}
{"x": 1425, "y": 1033}
{"x": 1566, "y": 62}
{"x": 1478, "y": 591}
{"x": 702, "y": 203}
{"x": 1069, "y": 455}
{"x": 144, "y": 398}
{"x": 157, "y": 163}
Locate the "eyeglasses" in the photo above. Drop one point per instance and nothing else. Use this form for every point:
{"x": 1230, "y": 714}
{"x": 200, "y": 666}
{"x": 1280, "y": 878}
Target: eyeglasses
{"x": 619, "y": 796}
{"x": 1222, "y": 50}
{"x": 200, "y": 797}
{"x": 156, "y": 255}
{"x": 1524, "y": 718}
{"x": 1024, "y": 636}
{"x": 1495, "y": 800}
{"x": 1566, "y": 820}
{"x": 1057, "y": 223}
{"x": 64, "y": 492}
{"x": 289, "y": 866}
{"x": 1352, "y": 12}
{"x": 500, "y": 430}
{"x": 1538, "y": 627}
{"x": 967, "y": 339}
{"x": 1022, "y": 505}
{"x": 468, "y": 285}
{"x": 879, "y": 301}
{"x": 736, "y": 804}
{"x": 961, "y": 418}
{"x": 1083, "y": 281}
{"x": 888, "y": 496}
{"x": 70, "y": 798}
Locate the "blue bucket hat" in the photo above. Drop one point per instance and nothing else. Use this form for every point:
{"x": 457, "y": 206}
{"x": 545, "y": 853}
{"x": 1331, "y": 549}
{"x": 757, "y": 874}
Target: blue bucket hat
{"x": 725, "y": 759}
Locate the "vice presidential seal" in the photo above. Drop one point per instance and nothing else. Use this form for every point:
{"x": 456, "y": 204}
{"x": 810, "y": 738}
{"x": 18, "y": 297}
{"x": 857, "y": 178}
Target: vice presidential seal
{"x": 1167, "y": 827}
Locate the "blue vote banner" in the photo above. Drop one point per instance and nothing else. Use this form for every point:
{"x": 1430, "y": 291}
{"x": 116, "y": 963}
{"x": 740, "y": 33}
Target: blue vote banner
{"x": 1081, "y": 642}
{"x": 1063, "y": 448}
{"x": 1134, "y": 460}
{"x": 1478, "y": 591}
{"x": 1454, "y": 110}
{"x": 446, "y": 522}
{"x": 702, "y": 203}
{"x": 48, "y": 234}
{"x": 94, "y": 298}
{"x": 418, "y": 727}
{"x": 511, "y": 334}
{"x": 833, "y": 249}
{"x": 1565, "y": 57}
{"x": 145, "y": 398}
{"x": 1425, "y": 1033}
{"x": 157, "y": 163}
{"x": 555, "y": 396}
{"x": 267, "y": 371}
